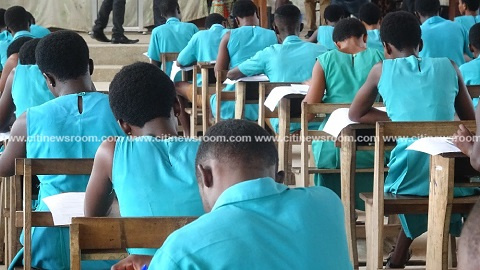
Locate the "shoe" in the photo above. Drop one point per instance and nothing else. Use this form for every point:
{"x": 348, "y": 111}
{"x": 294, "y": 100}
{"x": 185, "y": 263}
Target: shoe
{"x": 100, "y": 36}
{"x": 309, "y": 34}
{"x": 123, "y": 40}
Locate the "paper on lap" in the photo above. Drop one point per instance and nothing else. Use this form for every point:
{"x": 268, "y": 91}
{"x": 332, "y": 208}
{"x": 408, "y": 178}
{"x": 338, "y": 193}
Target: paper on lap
{"x": 434, "y": 146}
{"x": 339, "y": 120}
{"x": 256, "y": 78}
{"x": 279, "y": 92}
{"x": 64, "y": 206}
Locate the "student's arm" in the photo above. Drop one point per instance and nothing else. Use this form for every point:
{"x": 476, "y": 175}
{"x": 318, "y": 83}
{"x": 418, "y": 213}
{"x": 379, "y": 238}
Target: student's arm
{"x": 317, "y": 85}
{"x": 314, "y": 37}
{"x": 16, "y": 147}
{"x": 361, "y": 109}
{"x": 153, "y": 49}
{"x": 187, "y": 56}
{"x": 99, "y": 195}
{"x": 133, "y": 262}
{"x": 468, "y": 143}
{"x": 9, "y": 66}
{"x": 253, "y": 66}
{"x": 223, "y": 58}
{"x": 463, "y": 101}
{"x": 6, "y": 102}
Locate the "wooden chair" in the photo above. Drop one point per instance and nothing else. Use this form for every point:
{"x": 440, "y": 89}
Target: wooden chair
{"x": 474, "y": 90}
{"x": 378, "y": 203}
{"x": 221, "y": 76}
{"x": 107, "y": 238}
{"x": 168, "y": 57}
{"x": 199, "y": 117}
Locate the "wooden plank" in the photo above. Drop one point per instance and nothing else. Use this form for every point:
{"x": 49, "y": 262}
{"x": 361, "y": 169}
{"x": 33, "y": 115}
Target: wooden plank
{"x": 240, "y": 96}
{"x": 43, "y": 166}
{"x": 413, "y": 129}
{"x": 39, "y": 219}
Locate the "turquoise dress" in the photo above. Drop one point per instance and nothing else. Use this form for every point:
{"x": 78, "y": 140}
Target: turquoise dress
{"x": 57, "y": 129}
{"x": 467, "y": 22}
{"x": 344, "y": 74}
{"x": 325, "y": 37}
{"x": 29, "y": 88}
{"x": 471, "y": 75}
{"x": 39, "y": 31}
{"x": 164, "y": 186}
{"x": 260, "y": 224}
{"x": 244, "y": 43}
{"x": 373, "y": 40}
{"x": 406, "y": 81}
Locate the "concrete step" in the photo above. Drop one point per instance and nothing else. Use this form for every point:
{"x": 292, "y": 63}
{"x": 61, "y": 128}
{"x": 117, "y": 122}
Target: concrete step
{"x": 102, "y": 86}
{"x": 117, "y": 54}
{"x": 105, "y": 73}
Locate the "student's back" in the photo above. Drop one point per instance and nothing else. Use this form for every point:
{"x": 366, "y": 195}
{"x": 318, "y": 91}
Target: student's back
{"x": 203, "y": 47}
{"x": 38, "y": 31}
{"x": 471, "y": 72}
{"x": 246, "y": 41}
{"x": 373, "y": 40}
{"x": 324, "y": 37}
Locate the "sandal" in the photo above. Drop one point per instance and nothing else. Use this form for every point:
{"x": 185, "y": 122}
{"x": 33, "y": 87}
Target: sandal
{"x": 389, "y": 265}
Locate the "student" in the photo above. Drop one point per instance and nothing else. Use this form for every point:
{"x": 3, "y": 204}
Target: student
{"x": 250, "y": 217}
{"x": 77, "y": 113}
{"x": 290, "y": 61}
{"x": 371, "y": 17}
{"x": 469, "y": 10}
{"x": 323, "y": 35}
{"x": 172, "y": 36}
{"x": 37, "y": 31}
{"x": 4, "y": 34}
{"x": 336, "y": 77}
{"x": 469, "y": 242}
{"x": 402, "y": 80}
{"x": 441, "y": 38}
{"x": 471, "y": 70}
{"x": 237, "y": 46}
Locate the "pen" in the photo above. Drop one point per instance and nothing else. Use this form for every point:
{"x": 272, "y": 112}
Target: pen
{"x": 144, "y": 267}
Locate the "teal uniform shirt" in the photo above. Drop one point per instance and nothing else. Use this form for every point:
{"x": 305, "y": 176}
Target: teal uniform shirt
{"x": 165, "y": 186}
{"x": 467, "y": 22}
{"x": 244, "y": 43}
{"x": 344, "y": 75}
{"x": 5, "y": 35}
{"x": 260, "y": 224}
{"x": 373, "y": 40}
{"x": 471, "y": 75}
{"x": 39, "y": 31}
{"x": 170, "y": 37}
{"x": 325, "y": 37}
{"x": 56, "y": 129}
{"x": 291, "y": 61}
{"x": 443, "y": 38}
{"x": 29, "y": 88}
{"x": 406, "y": 81}
{"x": 203, "y": 47}
{"x": 4, "y": 46}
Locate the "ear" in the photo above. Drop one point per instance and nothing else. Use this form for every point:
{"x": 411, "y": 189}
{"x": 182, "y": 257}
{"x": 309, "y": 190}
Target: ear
{"x": 337, "y": 44}
{"x": 177, "y": 107}
{"x": 225, "y": 24}
{"x": 365, "y": 37}
{"x": 90, "y": 66}
{"x": 420, "y": 45}
{"x": 237, "y": 21}
{"x": 301, "y": 27}
{"x": 205, "y": 176}
{"x": 275, "y": 28}
{"x": 125, "y": 127}
{"x": 51, "y": 82}
{"x": 388, "y": 48}
{"x": 470, "y": 47}
{"x": 280, "y": 177}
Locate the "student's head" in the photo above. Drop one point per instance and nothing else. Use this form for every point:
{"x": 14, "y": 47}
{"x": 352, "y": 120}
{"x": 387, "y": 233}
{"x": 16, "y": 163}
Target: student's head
{"x": 468, "y": 5}
{"x": 235, "y": 151}
{"x": 16, "y": 45}
{"x": 16, "y": 19}
{"x": 333, "y": 14}
{"x": 371, "y": 15}
{"x": 140, "y": 93}
{"x": 30, "y": 17}
{"x": 169, "y": 8}
{"x": 474, "y": 39}
{"x": 288, "y": 20}
{"x": 400, "y": 32}
{"x": 348, "y": 32}
{"x": 245, "y": 12}
{"x": 2, "y": 19}
{"x": 427, "y": 8}
{"x": 469, "y": 243}
{"x": 26, "y": 55}
{"x": 215, "y": 18}
{"x": 63, "y": 56}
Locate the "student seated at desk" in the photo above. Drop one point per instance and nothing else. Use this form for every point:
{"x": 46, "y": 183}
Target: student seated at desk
{"x": 252, "y": 221}
{"x": 371, "y": 17}
{"x": 469, "y": 242}
{"x": 237, "y": 46}
{"x": 323, "y": 35}
{"x": 151, "y": 172}
{"x": 441, "y": 37}
{"x": 54, "y": 129}
{"x": 37, "y": 31}
{"x": 290, "y": 61}
{"x": 336, "y": 78}
{"x": 471, "y": 70}
{"x": 402, "y": 80}
{"x": 469, "y": 10}
{"x": 172, "y": 36}
{"x": 4, "y": 34}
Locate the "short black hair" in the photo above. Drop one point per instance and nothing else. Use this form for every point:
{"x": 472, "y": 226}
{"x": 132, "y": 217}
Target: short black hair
{"x": 16, "y": 19}
{"x": 427, "y": 7}
{"x": 288, "y": 17}
{"x": 2, "y": 17}
{"x": 401, "y": 29}
{"x": 244, "y": 8}
{"x": 16, "y": 45}
{"x": 168, "y": 7}
{"x": 237, "y": 142}
{"x": 30, "y": 17}
{"x": 334, "y": 13}
{"x": 141, "y": 92}
{"x": 63, "y": 54}
{"x": 348, "y": 28}
{"x": 471, "y": 4}
{"x": 370, "y": 14}
{"x": 214, "y": 18}
{"x": 474, "y": 36}
{"x": 26, "y": 55}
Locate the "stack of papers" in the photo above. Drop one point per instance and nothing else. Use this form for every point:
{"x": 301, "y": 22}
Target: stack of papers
{"x": 256, "y": 78}
{"x": 434, "y": 146}
{"x": 279, "y": 92}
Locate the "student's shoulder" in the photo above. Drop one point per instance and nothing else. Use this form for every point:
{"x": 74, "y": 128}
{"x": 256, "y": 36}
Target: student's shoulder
{"x": 318, "y": 194}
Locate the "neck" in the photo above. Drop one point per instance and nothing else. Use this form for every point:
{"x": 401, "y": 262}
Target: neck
{"x": 284, "y": 35}
{"x": 352, "y": 45}
{"x": 405, "y": 53}
{"x": 75, "y": 86}
{"x": 372, "y": 26}
{"x": 331, "y": 23}
{"x": 248, "y": 21}
{"x": 476, "y": 53}
{"x": 158, "y": 127}
{"x": 470, "y": 12}
{"x": 424, "y": 18}
{"x": 171, "y": 16}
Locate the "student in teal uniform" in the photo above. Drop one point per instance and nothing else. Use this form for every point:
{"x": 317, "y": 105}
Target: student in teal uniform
{"x": 371, "y": 17}
{"x": 172, "y": 36}
{"x": 37, "y": 31}
{"x": 290, "y": 61}
{"x": 252, "y": 221}
{"x": 77, "y": 113}
{"x": 471, "y": 70}
{"x": 143, "y": 101}
{"x": 4, "y": 34}
{"x": 441, "y": 37}
{"x": 469, "y": 11}
{"x": 323, "y": 35}
{"x": 402, "y": 80}
{"x": 336, "y": 78}
{"x": 237, "y": 46}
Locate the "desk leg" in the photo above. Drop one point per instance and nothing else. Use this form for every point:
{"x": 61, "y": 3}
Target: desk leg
{"x": 347, "y": 165}
{"x": 240, "y": 91}
{"x": 205, "y": 101}
{"x": 439, "y": 210}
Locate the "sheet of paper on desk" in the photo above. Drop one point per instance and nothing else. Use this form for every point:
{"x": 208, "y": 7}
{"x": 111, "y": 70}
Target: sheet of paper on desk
{"x": 146, "y": 54}
{"x": 176, "y": 69}
{"x": 434, "y": 146}
{"x": 339, "y": 120}
{"x": 279, "y": 92}
{"x": 256, "y": 78}
{"x": 64, "y": 206}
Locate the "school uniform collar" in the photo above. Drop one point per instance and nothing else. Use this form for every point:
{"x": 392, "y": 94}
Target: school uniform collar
{"x": 216, "y": 26}
{"x": 434, "y": 20}
{"x": 22, "y": 33}
{"x": 172, "y": 20}
{"x": 249, "y": 190}
{"x": 291, "y": 39}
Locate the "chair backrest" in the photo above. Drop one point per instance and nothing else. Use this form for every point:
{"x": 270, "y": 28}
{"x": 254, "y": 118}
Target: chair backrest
{"x": 92, "y": 235}
{"x": 264, "y": 89}
{"x": 168, "y": 57}
{"x": 206, "y": 69}
{"x": 221, "y": 76}
{"x": 474, "y": 90}
{"x": 30, "y": 167}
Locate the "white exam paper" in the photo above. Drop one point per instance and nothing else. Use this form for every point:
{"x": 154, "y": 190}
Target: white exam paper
{"x": 434, "y": 146}
{"x": 256, "y": 78}
{"x": 64, "y": 206}
{"x": 279, "y": 92}
{"x": 339, "y": 120}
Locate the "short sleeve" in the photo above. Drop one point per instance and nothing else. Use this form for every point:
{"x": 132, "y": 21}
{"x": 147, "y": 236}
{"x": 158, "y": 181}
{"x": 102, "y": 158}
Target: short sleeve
{"x": 189, "y": 54}
{"x": 161, "y": 261}
{"x": 153, "y": 50}
{"x": 255, "y": 65}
